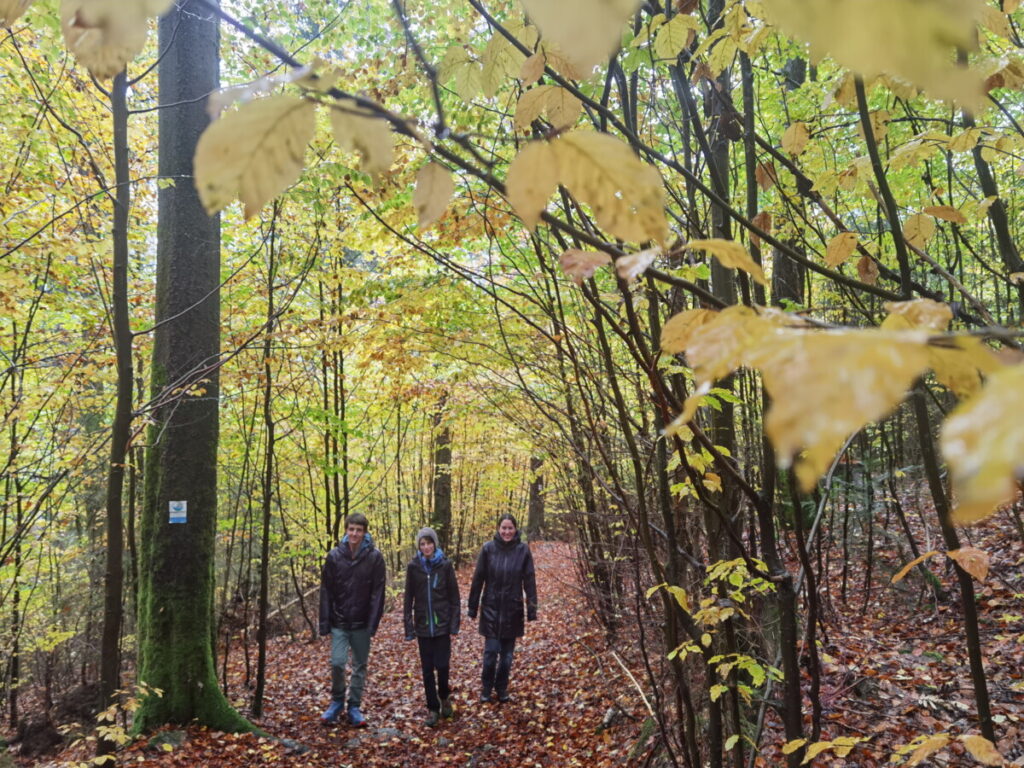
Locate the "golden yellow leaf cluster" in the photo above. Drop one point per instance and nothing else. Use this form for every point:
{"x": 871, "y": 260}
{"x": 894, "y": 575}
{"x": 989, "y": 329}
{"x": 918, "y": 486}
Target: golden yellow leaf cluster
{"x": 912, "y": 39}
{"x": 983, "y": 448}
{"x": 730, "y": 254}
{"x": 11, "y": 10}
{"x": 826, "y": 385}
{"x": 587, "y": 31}
{"x": 434, "y": 189}
{"x": 369, "y": 136}
{"x": 625, "y": 194}
{"x": 581, "y": 265}
{"x": 840, "y": 248}
{"x": 561, "y": 108}
{"x": 105, "y": 35}
{"x": 958, "y": 363}
{"x": 253, "y": 153}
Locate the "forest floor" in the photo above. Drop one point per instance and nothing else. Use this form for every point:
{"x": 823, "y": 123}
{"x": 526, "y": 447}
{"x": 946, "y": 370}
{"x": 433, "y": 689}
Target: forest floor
{"x": 563, "y": 684}
{"x": 893, "y": 667}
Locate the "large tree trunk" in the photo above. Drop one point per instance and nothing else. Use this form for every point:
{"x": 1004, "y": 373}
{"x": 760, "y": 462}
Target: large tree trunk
{"x": 176, "y": 585}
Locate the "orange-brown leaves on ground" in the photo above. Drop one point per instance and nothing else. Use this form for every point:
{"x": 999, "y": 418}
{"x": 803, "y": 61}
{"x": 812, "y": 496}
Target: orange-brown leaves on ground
{"x": 561, "y": 685}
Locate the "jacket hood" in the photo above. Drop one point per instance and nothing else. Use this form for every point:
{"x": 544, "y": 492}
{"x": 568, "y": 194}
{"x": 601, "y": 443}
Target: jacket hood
{"x": 517, "y": 539}
{"x": 366, "y": 544}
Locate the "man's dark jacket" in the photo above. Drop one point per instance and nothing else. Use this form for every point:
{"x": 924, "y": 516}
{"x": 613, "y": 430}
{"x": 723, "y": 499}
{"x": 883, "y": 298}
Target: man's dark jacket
{"x": 352, "y": 587}
{"x": 504, "y": 571}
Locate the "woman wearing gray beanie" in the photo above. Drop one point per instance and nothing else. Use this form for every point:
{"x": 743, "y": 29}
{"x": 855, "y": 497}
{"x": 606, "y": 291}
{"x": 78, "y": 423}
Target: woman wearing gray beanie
{"x": 432, "y": 615}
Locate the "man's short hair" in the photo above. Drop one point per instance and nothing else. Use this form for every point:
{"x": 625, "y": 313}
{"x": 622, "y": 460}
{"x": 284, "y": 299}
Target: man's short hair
{"x": 357, "y": 518}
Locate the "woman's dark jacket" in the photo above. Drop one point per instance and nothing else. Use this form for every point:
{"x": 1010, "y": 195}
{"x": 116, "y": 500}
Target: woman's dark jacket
{"x": 504, "y": 571}
{"x": 352, "y": 587}
{"x": 432, "y": 606}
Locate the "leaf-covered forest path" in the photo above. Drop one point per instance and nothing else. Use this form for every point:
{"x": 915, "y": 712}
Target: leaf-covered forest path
{"x": 562, "y": 686}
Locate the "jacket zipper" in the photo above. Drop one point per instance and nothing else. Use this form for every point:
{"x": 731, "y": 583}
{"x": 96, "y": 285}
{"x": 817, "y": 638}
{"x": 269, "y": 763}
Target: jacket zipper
{"x": 430, "y": 601}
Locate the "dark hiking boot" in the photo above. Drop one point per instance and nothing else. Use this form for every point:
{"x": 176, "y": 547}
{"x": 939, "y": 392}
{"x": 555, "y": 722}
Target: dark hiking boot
{"x": 447, "y": 710}
{"x": 432, "y": 717}
{"x": 332, "y": 713}
{"x": 504, "y": 696}
{"x": 485, "y": 694}
{"x": 355, "y": 718}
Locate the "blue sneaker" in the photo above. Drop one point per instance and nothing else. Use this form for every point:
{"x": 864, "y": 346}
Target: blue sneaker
{"x": 355, "y": 718}
{"x": 332, "y": 713}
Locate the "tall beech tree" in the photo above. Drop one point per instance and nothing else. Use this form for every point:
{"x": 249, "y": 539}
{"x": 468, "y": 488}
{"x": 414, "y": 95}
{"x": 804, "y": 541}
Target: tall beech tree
{"x": 176, "y": 570}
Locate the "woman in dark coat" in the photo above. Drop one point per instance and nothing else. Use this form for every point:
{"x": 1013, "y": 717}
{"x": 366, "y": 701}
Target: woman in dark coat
{"x": 504, "y": 572}
{"x": 432, "y": 615}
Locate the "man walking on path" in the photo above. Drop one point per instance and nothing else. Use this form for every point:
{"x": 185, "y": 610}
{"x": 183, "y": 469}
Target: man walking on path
{"x": 351, "y": 606}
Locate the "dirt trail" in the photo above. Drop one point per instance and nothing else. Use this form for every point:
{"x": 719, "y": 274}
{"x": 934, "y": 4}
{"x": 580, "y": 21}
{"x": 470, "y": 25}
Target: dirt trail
{"x": 562, "y": 687}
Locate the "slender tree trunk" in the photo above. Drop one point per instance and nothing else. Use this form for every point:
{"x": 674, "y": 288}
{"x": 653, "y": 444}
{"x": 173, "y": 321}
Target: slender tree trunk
{"x": 535, "y": 516}
{"x": 113, "y": 583}
{"x": 952, "y": 540}
{"x": 268, "y": 482}
{"x": 441, "y": 516}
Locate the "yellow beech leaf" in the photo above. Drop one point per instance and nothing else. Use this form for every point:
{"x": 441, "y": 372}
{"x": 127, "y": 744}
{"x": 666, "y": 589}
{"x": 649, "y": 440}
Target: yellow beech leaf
{"x": 922, "y": 313}
{"x": 766, "y": 176}
{"x": 530, "y": 106}
{"x": 961, "y": 366}
{"x": 730, "y": 254}
{"x": 674, "y": 36}
{"x": 369, "y": 136}
{"x": 532, "y": 178}
{"x": 721, "y": 345}
{"x": 762, "y": 220}
{"x": 997, "y": 22}
{"x": 983, "y": 444}
{"x": 982, "y": 750}
{"x": 959, "y": 362}
{"x": 10, "y": 10}
{"x": 914, "y": 40}
{"x": 1017, "y": 278}
{"x": 840, "y": 248}
{"x": 581, "y": 265}
{"x": 587, "y": 31}
{"x": 532, "y": 69}
{"x": 681, "y": 597}
{"x": 253, "y": 153}
{"x": 918, "y": 230}
{"x": 974, "y": 561}
{"x": 966, "y": 141}
{"x": 842, "y": 745}
{"x": 902, "y": 572}
{"x": 792, "y": 746}
{"x": 795, "y": 138}
{"x": 879, "y": 119}
{"x": 105, "y": 35}
{"x": 561, "y": 107}
{"x": 502, "y": 60}
{"x": 434, "y": 190}
{"x": 459, "y": 68}
{"x": 676, "y": 333}
{"x": 631, "y": 266}
{"x": 826, "y": 385}
{"x": 946, "y": 213}
{"x": 930, "y": 746}
{"x": 815, "y": 749}
{"x": 625, "y": 194}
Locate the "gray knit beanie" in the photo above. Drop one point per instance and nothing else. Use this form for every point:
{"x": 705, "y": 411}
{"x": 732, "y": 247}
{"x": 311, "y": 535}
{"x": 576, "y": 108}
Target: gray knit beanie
{"x": 427, "y": 533}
